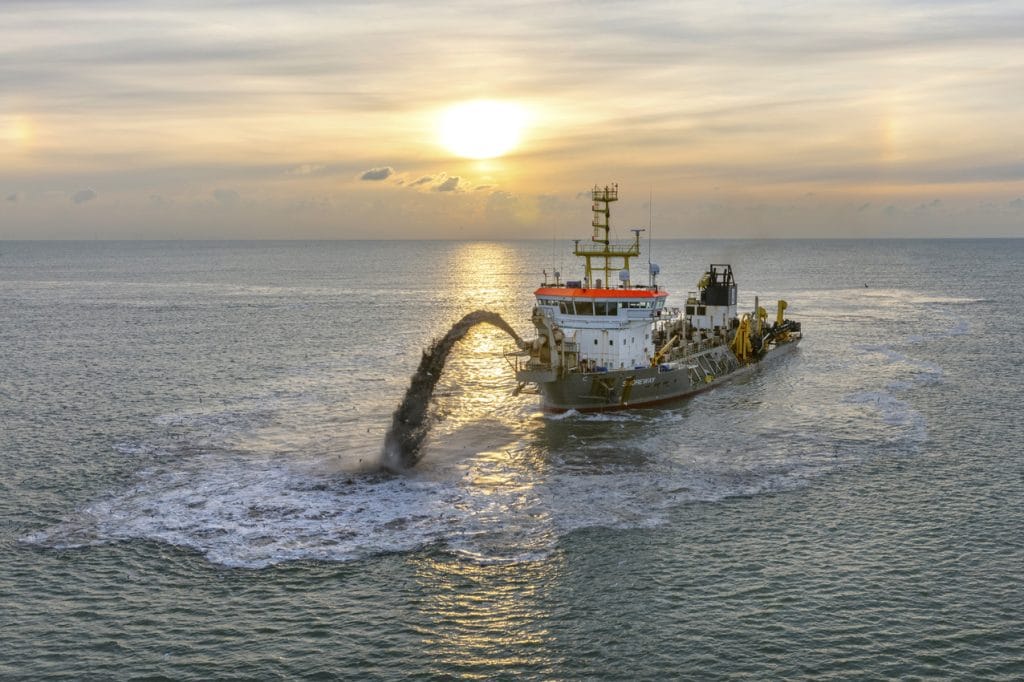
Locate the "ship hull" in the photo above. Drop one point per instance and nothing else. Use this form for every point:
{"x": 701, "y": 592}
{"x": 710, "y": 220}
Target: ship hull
{"x": 640, "y": 387}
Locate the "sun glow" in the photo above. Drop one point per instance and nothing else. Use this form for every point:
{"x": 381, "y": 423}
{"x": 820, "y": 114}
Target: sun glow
{"x": 19, "y": 130}
{"x": 482, "y": 129}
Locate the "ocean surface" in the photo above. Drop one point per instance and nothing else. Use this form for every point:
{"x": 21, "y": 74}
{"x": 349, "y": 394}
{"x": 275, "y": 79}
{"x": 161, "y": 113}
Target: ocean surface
{"x": 190, "y": 435}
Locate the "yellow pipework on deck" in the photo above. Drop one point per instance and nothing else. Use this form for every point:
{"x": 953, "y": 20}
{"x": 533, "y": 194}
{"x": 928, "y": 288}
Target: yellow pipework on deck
{"x": 741, "y": 345}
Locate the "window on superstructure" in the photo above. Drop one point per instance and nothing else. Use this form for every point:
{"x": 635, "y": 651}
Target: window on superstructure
{"x": 584, "y": 308}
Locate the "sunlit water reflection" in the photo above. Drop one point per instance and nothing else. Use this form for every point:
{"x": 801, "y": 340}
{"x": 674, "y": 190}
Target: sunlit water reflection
{"x": 232, "y": 401}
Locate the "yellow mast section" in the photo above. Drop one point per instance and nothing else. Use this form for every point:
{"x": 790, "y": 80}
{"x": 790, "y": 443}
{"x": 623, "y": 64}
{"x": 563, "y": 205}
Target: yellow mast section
{"x": 614, "y": 256}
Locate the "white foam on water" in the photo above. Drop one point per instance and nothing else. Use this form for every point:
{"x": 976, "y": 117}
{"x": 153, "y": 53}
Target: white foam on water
{"x": 245, "y": 513}
{"x": 927, "y": 299}
{"x": 274, "y": 477}
{"x": 595, "y": 417}
{"x": 254, "y": 510}
{"x": 901, "y": 373}
{"x": 562, "y": 416}
{"x": 960, "y": 327}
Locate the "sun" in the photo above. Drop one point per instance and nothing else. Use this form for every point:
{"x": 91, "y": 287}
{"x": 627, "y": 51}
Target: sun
{"x": 482, "y": 129}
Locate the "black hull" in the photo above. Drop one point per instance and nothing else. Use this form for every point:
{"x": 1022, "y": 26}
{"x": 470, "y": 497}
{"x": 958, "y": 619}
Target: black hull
{"x": 626, "y": 389}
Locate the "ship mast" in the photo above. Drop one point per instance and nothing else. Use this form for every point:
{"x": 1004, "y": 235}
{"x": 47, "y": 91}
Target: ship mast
{"x": 602, "y": 249}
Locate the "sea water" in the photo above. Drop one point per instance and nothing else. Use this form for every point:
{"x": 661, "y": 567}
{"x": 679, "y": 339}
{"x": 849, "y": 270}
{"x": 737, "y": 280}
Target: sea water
{"x": 190, "y": 483}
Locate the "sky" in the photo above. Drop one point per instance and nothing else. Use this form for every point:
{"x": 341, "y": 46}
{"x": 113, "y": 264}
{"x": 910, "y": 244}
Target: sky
{"x": 228, "y": 119}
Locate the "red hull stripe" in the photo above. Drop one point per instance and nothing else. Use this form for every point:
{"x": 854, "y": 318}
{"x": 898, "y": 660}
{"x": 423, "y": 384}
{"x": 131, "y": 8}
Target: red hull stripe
{"x": 566, "y": 293}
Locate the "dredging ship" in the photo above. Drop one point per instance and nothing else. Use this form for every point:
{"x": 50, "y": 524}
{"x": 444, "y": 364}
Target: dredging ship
{"x": 604, "y": 346}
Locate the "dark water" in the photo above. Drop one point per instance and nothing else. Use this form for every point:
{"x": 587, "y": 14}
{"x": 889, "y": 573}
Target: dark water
{"x": 190, "y": 434}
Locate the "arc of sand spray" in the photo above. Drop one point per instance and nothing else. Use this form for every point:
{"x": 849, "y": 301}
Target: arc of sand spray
{"x": 409, "y": 424}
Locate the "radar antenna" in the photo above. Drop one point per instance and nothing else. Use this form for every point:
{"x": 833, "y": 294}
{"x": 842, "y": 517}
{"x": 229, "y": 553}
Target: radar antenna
{"x": 614, "y": 256}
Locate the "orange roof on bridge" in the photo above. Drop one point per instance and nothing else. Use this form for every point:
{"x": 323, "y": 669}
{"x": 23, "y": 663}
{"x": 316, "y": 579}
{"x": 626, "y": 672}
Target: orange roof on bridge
{"x": 566, "y": 292}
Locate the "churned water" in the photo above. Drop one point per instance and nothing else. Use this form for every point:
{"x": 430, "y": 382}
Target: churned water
{"x": 190, "y": 487}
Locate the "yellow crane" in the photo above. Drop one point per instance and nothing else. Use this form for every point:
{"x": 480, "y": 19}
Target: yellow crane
{"x": 664, "y": 351}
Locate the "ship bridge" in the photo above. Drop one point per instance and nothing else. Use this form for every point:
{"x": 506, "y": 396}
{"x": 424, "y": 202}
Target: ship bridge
{"x": 612, "y": 325}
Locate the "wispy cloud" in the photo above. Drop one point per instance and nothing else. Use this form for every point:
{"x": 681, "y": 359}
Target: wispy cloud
{"x": 884, "y": 102}
{"x": 378, "y": 173}
{"x": 449, "y": 185}
{"x": 306, "y": 169}
{"x": 83, "y": 195}
{"x": 226, "y": 197}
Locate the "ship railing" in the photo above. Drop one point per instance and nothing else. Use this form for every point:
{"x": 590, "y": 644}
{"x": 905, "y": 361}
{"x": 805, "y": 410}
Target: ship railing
{"x": 516, "y": 357}
{"x": 612, "y": 248}
{"x": 701, "y": 345}
{"x": 519, "y": 359}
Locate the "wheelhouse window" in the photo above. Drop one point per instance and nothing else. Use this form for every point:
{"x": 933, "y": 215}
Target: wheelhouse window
{"x": 594, "y": 307}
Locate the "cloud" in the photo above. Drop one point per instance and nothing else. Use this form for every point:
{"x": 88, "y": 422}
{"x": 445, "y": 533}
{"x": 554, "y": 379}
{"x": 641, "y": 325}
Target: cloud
{"x": 449, "y": 185}
{"x": 551, "y": 202}
{"x": 83, "y": 195}
{"x": 307, "y": 169}
{"x": 227, "y": 197}
{"x": 378, "y": 173}
{"x": 501, "y": 201}
{"x": 728, "y": 92}
{"x": 13, "y": 197}
{"x": 1017, "y": 203}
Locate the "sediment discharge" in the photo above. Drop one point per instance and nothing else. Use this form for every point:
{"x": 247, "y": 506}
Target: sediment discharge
{"x": 409, "y": 423}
